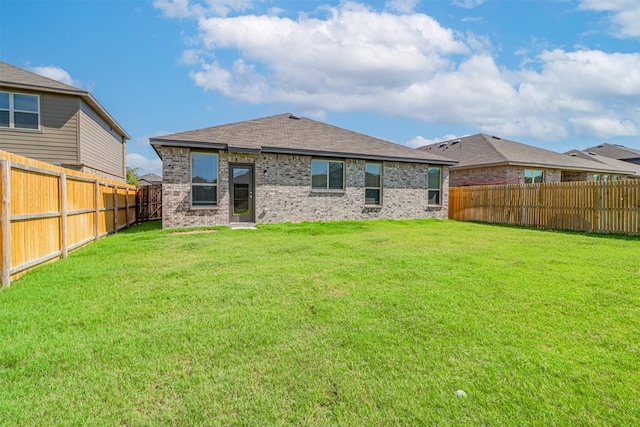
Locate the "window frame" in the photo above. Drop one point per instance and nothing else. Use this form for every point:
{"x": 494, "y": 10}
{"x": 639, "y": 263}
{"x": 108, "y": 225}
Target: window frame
{"x": 379, "y": 188}
{"x": 533, "y": 176}
{"x": 204, "y": 184}
{"x": 12, "y": 111}
{"x": 327, "y": 189}
{"x": 431, "y": 188}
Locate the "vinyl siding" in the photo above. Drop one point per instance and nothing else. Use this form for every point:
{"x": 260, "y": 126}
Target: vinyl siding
{"x": 100, "y": 147}
{"x": 56, "y": 141}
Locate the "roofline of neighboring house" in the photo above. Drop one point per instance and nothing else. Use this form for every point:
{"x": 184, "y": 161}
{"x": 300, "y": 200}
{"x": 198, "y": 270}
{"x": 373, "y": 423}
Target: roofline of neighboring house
{"x": 543, "y": 165}
{"x": 86, "y": 96}
{"x": 303, "y": 152}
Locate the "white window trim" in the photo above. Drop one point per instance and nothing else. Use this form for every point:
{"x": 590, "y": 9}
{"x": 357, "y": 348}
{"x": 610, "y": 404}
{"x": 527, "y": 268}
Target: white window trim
{"x": 524, "y": 178}
{"x": 12, "y": 110}
{"x": 430, "y": 188}
{"x": 330, "y": 190}
{"x": 373, "y": 188}
{"x": 191, "y": 184}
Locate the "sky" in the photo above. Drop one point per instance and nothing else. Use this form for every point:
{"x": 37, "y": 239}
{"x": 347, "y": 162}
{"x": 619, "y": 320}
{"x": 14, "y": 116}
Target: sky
{"x": 556, "y": 74}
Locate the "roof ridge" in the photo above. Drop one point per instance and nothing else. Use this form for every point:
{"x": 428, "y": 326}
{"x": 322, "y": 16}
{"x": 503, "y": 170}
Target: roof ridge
{"x": 488, "y": 138}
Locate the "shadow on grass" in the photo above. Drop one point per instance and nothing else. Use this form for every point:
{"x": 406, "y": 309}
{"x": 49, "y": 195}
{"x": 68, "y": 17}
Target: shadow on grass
{"x": 613, "y": 236}
{"x": 143, "y": 227}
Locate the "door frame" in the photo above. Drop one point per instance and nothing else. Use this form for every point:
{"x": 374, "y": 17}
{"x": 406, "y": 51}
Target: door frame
{"x": 252, "y": 186}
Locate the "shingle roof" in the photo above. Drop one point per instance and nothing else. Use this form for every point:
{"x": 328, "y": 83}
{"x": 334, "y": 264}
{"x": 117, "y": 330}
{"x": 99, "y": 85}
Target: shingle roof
{"x": 16, "y": 78}
{"x": 289, "y": 134}
{"x": 615, "y": 151}
{"x": 482, "y": 150}
{"x": 620, "y": 164}
{"x": 151, "y": 177}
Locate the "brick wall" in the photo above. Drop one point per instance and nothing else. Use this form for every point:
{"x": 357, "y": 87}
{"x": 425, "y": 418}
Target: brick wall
{"x": 510, "y": 174}
{"x": 283, "y": 191}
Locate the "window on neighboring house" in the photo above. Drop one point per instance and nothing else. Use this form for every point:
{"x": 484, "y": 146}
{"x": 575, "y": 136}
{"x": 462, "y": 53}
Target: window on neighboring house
{"x": 434, "y": 186}
{"x": 373, "y": 184}
{"x": 327, "y": 174}
{"x": 204, "y": 179}
{"x": 596, "y": 177}
{"x": 532, "y": 176}
{"x": 19, "y": 111}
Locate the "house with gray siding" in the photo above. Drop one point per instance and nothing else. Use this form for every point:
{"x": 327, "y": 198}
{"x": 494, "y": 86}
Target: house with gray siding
{"x": 60, "y": 124}
{"x": 488, "y": 160}
{"x": 286, "y": 168}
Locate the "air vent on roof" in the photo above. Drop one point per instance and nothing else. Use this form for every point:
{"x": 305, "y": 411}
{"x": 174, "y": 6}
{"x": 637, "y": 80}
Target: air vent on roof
{"x": 591, "y": 153}
{"x": 495, "y": 137}
{"x": 618, "y": 145}
{"x": 573, "y": 154}
{"x": 600, "y": 146}
{"x": 457, "y": 141}
{"x": 442, "y": 145}
{"x": 291, "y": 116}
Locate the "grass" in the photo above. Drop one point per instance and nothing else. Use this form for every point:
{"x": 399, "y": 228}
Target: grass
{"x": 350, "y": 323}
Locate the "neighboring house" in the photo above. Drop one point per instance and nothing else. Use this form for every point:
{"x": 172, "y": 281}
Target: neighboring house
{"x": 618, "y": 152}
{"x": 633, "y": 168}
{"x": 287, "y": 168}
{"x": 149, "y": 179}
{"x": 485, "y": 160}
{"x": 56, "y": 123}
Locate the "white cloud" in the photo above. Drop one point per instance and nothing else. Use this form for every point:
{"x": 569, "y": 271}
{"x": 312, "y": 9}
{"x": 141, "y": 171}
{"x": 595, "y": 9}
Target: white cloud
{"x": 56, "y": 73}
{"x": 403, "y": 6}
{"x": 355, "y": 58}
{"x": 623, "y": 15}
{"x": 420, "y": 141}
{"x": 467, "y": 4}
{"x": 186, "y": 8}
{"x": 145, "y": 165}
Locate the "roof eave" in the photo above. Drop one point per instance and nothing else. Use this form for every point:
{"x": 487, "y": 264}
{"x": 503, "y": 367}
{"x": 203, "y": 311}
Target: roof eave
{"x": 86, "y": 96}
{"x": 541, "y": 165}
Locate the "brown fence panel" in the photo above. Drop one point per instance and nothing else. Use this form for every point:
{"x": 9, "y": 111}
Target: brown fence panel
{"x": 602, "y": 207}
{"x": 149, "y": 201}
{"x": 47, "y": 211}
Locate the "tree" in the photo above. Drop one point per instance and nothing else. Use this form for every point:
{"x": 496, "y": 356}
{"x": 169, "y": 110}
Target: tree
{"x": 132, "y": 176}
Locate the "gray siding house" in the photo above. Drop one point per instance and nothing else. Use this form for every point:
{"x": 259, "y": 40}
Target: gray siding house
{"x": 486, "y": 160}
{"x": 291, "y": 169}
{"x": 56, "y": 123}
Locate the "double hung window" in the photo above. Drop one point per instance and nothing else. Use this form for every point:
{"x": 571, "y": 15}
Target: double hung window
{"x": 19, "y": 111}
{"x": 373, "y": 184}
{"x": 204, "y": 179}
{"x": 434, "y": 186}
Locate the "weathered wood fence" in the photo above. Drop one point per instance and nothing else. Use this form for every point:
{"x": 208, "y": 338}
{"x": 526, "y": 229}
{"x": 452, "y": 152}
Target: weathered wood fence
{"x": 47, "y": 211}
{"x": 149, "y": 200}
{"x": 601, "y": 207}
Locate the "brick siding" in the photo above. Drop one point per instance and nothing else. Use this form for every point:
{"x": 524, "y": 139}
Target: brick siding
{"x": 283, "y": 191}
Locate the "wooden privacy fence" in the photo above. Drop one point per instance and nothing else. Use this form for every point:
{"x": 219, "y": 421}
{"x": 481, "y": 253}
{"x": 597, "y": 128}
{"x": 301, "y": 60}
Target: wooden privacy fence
{"x": 48, "y": 211}
{"x": 601, "y": 207}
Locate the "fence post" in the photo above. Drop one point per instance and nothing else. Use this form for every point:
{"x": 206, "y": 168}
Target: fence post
{"x": 5, "y": 177}
{"x": 96, "y": 221}
{"x": 115, "y": 208}
{"x": 62, "y": 200}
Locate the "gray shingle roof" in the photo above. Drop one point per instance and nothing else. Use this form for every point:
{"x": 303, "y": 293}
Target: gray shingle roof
{"x": 12, "y": 77}
{"x": 615, "y": 151}
{"x": 288, "y": 134}
{"x": 620, "y": 164}
{"x": 482, "y": 150}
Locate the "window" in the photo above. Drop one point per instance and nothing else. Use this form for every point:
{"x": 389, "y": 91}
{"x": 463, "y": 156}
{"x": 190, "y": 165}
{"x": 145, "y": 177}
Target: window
{"x": 327, "y": 175}
{"x": 373, "y": 184}
{"x": 204, "y": 179}
{"x": 434, "y": 185}
{"x": 533, "y": 176}
{"x": 19, "y": 111}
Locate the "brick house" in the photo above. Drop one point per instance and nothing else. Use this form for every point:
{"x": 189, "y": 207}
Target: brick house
{"x": 616, "y": 151}
{"x": 60, "y": 124}
{"x": 286, "y": 168}
{"x": 485, "y": 160}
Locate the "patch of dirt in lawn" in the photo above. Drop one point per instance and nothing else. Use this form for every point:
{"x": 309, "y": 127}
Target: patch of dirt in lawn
{"x": 194, "y": 232}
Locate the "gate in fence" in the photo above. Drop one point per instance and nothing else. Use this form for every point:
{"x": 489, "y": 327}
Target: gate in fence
{"x": 149, "y": 201}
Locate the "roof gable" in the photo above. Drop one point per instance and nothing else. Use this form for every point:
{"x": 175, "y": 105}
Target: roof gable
{"x": 620, "y": 164}
{"x": 483, "y": 150}
{"x": 289, "y": 134}
{"x": 615, "y": 151}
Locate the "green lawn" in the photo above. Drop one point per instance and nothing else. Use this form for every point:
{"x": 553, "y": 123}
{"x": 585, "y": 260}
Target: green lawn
{"x": 351, "y": 323}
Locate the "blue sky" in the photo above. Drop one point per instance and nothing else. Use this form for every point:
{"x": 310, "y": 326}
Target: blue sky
{"x": 555, "y": 74}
